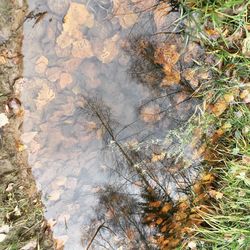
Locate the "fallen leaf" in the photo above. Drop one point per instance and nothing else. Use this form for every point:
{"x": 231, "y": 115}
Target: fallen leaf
{"x": 55, "y": 195}
{"x": 45, "y": 95}
{"x": 60, "y": 242}
{"x": 166, "y": 208}
{"x": 28, "y": 137}
{"x": 127, "y": 20}
{"x": 166, "y": 54}
{"x": 82, "y": 49}
{"x": 246, "y": 46}
{"x": 221, "y": 105}
{"x": 3, "y": 120}
{"x": 144, "y": 4}
{"x": 158, "y": 157}
{"x": 160, "y": 13}
{"x": 65, "y": 80}
{"x": 108, "y": 51}
{"x": 58, "y": 6}
{"x": 154, "y": 204}
{"x": 53, "y": 74}
{"x": 41, "y": 64}
{"x": 2, "y": 60}
{"x": 30, "y": 246}
{"x": 172, "y": 77}
{"x": 151, "y": 113}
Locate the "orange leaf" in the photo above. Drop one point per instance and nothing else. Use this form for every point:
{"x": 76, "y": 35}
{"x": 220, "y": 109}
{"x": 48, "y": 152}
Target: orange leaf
{"x": 155, "y": 204}
{"x": 166, "y": 208}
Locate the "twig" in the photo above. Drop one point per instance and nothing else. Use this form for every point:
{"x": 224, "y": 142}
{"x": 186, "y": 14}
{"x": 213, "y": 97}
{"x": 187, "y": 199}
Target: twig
{"x": 92, "y": 239}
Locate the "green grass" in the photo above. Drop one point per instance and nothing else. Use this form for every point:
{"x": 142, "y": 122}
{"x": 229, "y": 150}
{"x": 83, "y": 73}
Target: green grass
{"x": 228, "y": 224}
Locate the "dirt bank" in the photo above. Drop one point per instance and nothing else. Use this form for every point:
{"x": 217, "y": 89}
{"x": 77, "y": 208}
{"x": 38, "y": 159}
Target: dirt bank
{"x": 22, "y": 224}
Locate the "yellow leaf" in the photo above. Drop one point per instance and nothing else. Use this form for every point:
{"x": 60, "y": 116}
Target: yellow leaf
{"x": 158, "y": 157}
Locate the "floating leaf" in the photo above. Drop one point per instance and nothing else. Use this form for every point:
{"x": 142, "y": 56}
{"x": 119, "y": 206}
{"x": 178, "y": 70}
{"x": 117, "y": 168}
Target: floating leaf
{"x": 41, "y": 65}
{"x": 44, "y": 96}
{"x": 166, "y": 54}
{"x": 151, "y": 113}
{"x": 160, "y": 13}
{"x": 82, "y": 49}
{"x": 65, "y": 80}
{"x": 108, "y": 51}
{"x": 128, "y": 20}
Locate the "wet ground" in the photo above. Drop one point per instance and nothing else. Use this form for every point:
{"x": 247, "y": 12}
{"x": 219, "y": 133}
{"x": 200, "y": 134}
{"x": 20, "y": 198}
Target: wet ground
{"x": 103, "y": 84}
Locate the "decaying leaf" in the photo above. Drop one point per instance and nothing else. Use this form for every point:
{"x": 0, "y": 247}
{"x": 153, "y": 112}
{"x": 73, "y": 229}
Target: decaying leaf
{"x": 144, "y": 4}
{"x": 158, "y": 157}
{"x": 166, "y": 208}
{"x": 82, "y": 49}
{"x": 171, "y": 77}
{"x": 45, "y": 95}
{"x": 58, "y": 6}
{"x": 41, "y": 64}
{"x": 2, "y": 60}
{"x": 53, "y": 74}
{"x": 154, "y": 204}
{"x": 76, "y": 17}
{"x": 160, "y": 13}
{"x": 108, "y": 51}
{"x": 28, "y": 137}
{"x": 65, "y": 80}
{"x": 151, "y": 113}
{"x": 55, "y": 195}
{"x": 166, "y": 54}
{"x": 128, "y": 20}
{"x": 215, "y": 194}
{"x": 60, "y": 242}
{"x": 246, "y": 46}
{"x": 221, "y": 105}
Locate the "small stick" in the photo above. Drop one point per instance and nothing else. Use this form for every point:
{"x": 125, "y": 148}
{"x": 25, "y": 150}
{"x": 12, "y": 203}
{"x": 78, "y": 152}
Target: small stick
{"x": 98, "y": 229}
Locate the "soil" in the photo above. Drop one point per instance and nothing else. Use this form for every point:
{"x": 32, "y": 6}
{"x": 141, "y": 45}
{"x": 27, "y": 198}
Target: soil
{"x": 22, "y": 225}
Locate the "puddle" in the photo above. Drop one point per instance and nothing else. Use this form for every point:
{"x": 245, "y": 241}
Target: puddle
{"x": 98, "y": 106}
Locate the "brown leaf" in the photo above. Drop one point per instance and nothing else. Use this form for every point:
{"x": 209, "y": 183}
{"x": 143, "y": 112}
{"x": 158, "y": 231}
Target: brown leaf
{"x": 144, "y": 4}
{"x": 166, "y": 208}
{"x": 167, "y": 54}
{"x": 171, "y": 77}
{"x": 151, "y": 114}
{"x": 155, "y": 204}
{"x": 221, "y": 105}
{"x": 160, "y": 13}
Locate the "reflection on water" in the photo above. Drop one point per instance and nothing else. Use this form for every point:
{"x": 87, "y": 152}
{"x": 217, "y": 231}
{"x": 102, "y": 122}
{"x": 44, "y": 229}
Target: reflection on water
{"x": 95, "y": 98}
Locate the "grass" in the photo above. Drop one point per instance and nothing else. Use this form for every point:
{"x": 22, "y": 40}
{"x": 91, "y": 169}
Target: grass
{"x": 223, "y": 28}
